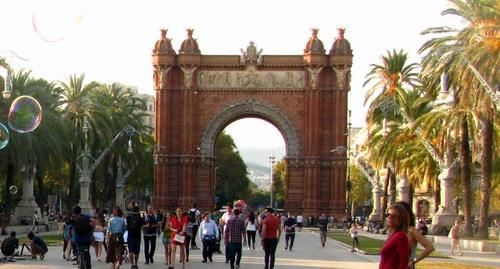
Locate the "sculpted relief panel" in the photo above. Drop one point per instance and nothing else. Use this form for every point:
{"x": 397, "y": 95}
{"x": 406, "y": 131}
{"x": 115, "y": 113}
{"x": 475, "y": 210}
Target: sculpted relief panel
{"x": 251, "y": 79}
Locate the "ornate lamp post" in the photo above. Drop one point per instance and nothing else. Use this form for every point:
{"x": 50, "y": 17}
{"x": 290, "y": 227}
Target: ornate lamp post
{"x": 87, "y": 168}
{"x": 271, "y": 160}
{"x": 7, "y": 91}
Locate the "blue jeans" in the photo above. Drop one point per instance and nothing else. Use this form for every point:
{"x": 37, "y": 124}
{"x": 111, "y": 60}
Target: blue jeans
{"x": 234, "y": 253}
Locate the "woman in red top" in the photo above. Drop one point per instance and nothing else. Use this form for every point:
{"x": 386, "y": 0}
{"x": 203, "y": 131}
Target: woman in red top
{"x": 178, "y": 225}
{"x": 396, "y": 250}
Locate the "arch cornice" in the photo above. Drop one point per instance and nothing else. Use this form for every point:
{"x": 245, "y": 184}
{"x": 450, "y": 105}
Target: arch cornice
{"x": 250, "y": 107}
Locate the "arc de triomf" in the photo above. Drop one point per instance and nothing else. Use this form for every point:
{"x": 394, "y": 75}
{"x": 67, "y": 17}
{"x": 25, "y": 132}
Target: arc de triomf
{"x": 303, "y": 96}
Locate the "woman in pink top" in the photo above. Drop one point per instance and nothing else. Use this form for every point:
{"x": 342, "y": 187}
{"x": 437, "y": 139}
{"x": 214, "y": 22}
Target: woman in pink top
{"x": 396, "y": 250}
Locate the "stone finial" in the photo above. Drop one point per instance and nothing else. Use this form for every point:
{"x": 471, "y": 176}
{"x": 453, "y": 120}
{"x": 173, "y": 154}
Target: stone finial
{"x": 163, "y": 32}
{"x": 341, "y": 33}
{"x": 315, "y": 32}
{"x": 190, "y": 32}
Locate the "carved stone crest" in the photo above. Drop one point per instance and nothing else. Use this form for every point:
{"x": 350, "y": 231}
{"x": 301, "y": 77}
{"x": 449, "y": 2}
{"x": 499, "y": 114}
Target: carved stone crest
{"x": 188, "y": 76}
{"x": 251, "y": 55}
{"x": 341, "y": 75}
{"x": 314, "y": 76}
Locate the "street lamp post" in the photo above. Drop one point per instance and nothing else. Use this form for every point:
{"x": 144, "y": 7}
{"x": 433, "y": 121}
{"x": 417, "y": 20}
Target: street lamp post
{"x": 7, "y": 91}
{"x": 271, "y": 160}
{"x": 87, "y": 168}
{"x": 348, "y": 152}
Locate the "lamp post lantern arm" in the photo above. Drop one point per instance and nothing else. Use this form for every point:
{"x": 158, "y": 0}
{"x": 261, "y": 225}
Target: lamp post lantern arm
{"x": 128, "y": 130}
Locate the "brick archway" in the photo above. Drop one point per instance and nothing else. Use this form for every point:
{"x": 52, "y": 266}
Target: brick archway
{"x": 304, "y": 96}
{"x": 249, "y": 108}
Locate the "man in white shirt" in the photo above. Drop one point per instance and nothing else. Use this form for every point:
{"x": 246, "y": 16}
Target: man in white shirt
{"x": 223, "y": 222}
{"x": 300, "y": 219}
{"x": 209, "y": 233}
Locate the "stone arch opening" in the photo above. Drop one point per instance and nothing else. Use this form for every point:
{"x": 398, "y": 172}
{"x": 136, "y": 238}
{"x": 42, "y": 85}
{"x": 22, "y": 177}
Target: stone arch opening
{"x": 245, "y": 109}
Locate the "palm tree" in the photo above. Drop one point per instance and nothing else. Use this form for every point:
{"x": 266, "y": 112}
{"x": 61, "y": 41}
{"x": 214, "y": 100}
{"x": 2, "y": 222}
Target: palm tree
{"x": 75, "y": 105}
{"x": 476, "y": 47}
{"x": 388, "y": 82}
{"x": 40, "y": 148}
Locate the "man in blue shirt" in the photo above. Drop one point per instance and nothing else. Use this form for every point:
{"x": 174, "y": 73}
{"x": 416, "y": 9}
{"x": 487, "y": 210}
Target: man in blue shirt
{"x": 82, "y": 235}
{"x": 209, "y": 233}
{"x": 150, "y": 229}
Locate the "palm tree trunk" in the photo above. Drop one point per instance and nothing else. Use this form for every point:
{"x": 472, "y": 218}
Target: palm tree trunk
{"x": 465, "y": 164}
{"x": 8, "y": 196}
{"x": 392, "y": 191}
{"x": 384, "y": 195}
{"x": 486, "y": 162}
{"x": 72, "y": 194}
{"x": 42, "y": 194}
{"x": 437, "y": 194}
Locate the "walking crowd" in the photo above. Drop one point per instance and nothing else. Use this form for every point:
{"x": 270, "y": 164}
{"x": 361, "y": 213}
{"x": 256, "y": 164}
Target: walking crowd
{"x": 119, "y": 236}
{"x": 116, "y": 239}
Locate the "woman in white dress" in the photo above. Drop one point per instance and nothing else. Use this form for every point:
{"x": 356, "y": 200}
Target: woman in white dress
{"x": 99, "y": 229}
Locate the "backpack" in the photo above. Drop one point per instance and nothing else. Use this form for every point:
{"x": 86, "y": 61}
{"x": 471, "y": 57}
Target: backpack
{"x": 82, "y": 226}
{"x": 134, "y": 222}
{"x": 192, "y": 215}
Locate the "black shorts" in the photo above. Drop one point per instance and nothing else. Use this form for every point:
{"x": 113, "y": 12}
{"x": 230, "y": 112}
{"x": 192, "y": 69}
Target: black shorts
{"x": 134, "y": 245}
{"x": 299, "y": 224}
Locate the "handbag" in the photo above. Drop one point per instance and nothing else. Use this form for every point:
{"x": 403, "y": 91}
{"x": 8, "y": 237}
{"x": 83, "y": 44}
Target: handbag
{"x": 179, "y": 238}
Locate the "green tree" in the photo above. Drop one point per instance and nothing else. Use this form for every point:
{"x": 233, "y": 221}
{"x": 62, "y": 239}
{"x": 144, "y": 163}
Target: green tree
{"x": 279, "y": 174}
{"x": 232, "y": 178}
{"x": 361, "y": 190}
{"x": 76, "y": 104}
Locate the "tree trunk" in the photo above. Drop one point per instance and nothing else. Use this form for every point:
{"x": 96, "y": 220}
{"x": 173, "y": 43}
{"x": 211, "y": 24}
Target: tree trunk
{"x": 73, "y": 195}
{"x": 384, "y": 195}
{"x": 465, "y": 165}
{"x": 393, "y": 188}
{"x": 42, "y": 194}
{"x": 437, "y": 194}
{"x": 8, "y": 196}
{"x": 486, "y": 162}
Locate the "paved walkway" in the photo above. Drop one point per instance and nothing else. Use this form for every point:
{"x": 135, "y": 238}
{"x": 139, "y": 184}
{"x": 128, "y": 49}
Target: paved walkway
{"x": 307, "y": 254}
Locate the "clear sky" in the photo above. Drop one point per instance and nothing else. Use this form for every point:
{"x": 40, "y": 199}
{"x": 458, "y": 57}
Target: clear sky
{"x": 112, "y": 41}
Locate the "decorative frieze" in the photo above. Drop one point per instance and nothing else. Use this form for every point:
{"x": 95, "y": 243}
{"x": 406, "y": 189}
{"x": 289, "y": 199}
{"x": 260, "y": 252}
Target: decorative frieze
{"x": 251, "y": 79}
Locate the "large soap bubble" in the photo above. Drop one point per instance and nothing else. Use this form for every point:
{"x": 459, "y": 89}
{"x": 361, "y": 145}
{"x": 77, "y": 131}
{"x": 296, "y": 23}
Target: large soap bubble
{"x": 25, "y": 114}
{"x": 13, "y": 189}
{"x": 4, "y": 136}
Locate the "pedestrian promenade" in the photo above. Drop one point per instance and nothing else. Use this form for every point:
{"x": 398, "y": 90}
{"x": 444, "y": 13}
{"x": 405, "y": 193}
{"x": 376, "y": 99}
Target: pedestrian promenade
{"x": 307, "y": 254}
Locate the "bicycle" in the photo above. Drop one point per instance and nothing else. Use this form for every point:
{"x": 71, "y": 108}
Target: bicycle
{"x": 83, "y": 256}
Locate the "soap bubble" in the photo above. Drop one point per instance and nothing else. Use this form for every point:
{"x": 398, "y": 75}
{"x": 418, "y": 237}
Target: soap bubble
{"x": 4, "y": 136}
{"x": 25, "y": 114}
{"x": 13, "y": 189}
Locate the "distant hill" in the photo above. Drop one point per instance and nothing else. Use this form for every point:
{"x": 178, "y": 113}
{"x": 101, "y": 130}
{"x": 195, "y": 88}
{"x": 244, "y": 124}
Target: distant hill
{"x": 260, "y": 156}
{"x": 258, "y": 168}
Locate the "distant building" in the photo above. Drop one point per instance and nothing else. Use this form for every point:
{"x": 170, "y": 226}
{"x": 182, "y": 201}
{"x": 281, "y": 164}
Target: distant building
{"x": 149, "y": 109}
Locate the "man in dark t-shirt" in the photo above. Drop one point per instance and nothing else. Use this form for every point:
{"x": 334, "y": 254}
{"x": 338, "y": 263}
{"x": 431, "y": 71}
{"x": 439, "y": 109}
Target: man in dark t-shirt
{"x": 323, "y": 228}
{"x": 289, "y": 227}
{"x": 134, "y": 226}
{"x": 37, "y": 246}
{"x": 150, "y": 229}
{"x": 10, "y": 244}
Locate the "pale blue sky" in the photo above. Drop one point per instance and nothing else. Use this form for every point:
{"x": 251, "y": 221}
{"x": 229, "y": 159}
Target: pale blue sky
{"x": 111, "y": 41}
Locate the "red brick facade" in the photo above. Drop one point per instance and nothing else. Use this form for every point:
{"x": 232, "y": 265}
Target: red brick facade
{"x": 304, "y": 96}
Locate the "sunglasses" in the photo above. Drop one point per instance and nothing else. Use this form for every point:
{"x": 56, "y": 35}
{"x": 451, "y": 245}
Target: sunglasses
{"x": 391, "y": 216}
